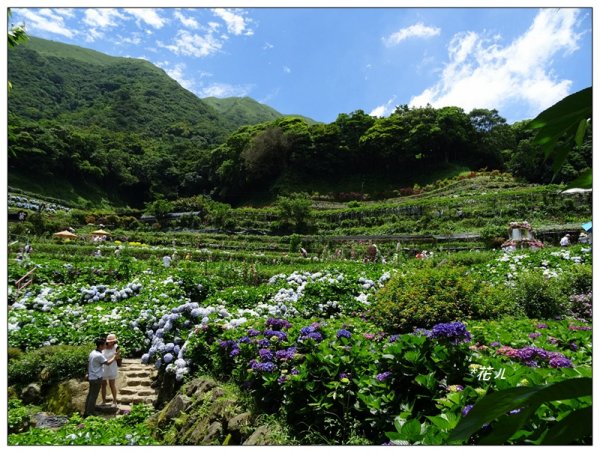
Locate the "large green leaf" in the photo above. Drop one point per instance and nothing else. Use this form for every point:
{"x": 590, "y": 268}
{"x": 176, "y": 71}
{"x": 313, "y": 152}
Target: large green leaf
{"x": 497, "y": 404}
{"x": 562, "y": 118}
{"x": 583, "y": 181}
{"x": 576, "y": 425}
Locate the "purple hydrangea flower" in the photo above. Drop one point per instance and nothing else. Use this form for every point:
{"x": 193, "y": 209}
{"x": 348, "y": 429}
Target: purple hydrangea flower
{"x": 244, "y": 340}
{"x": 534, "y": 335}
{"x": 313, "y": 336}
{"x": 264, "y": 343}
{"x": 560, "y": 361}
{"x": 253, "y": 332}
{"x": 467, "y": 409}
{"x": 263, "y": 366}
{"x": 422, "y": 332}
{"x": 306, "y": 330}
{"x": 455, "y": 332}
{"x": 265, "y": 355}
{"x": 276, "y": 333}
{"x": 344, "y": 375}
{"x": 234, "y": 352}
{"x": 278, "y": 324}
{"x": 494, "y": 344}
{"x": 383, "y": 376}
{"x": 281, "y": 379}
{"x": 343, "y": 333}
{"x": 393, "y": 338}
{"x": 542, "y": 326}
{"x": 286, "y": 354}
{"x": 574, "y": 346}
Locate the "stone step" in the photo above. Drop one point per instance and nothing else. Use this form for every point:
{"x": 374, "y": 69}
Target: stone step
{"x": 141, "y": 374}
{"x": 138, "y": 382}
{"x": 141, "y": 391}
{"x": 137, "y": 400}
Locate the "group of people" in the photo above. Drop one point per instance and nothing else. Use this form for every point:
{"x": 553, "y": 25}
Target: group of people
{"x": 103, "y": 363}
{"x": 566, "y": 239}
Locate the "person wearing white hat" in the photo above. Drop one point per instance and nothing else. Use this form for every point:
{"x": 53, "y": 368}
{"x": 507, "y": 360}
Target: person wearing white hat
{"x": 565, "y": 240}
{"x": 111, "y": 371}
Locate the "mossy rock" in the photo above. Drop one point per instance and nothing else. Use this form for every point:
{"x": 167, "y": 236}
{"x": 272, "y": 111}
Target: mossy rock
{"x": 67, "y": 397}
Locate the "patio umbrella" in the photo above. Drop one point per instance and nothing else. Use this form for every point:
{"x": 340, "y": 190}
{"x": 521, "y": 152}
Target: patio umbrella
{"x": 101, "y": 233}
{"x": 65, "y": 234}
{"x": 587, "y": 227}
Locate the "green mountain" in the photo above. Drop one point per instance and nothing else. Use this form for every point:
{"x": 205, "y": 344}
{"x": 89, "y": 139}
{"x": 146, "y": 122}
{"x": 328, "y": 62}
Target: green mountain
{"x": 244, "y": 111}
{"x": 82, "y": 87}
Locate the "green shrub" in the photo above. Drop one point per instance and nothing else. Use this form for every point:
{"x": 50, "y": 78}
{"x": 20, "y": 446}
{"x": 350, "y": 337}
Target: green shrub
{"x": 539, "y": 297}
{"x": 577, "y": 280}
{"x": 49, "y": 364}
{"x": 19, "y": 415}
{"x": 14, "y": 353}
{"x": 429, "y": 296}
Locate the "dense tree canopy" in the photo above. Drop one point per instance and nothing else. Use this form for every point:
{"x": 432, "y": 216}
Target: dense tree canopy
{"x": 123, "y": 126}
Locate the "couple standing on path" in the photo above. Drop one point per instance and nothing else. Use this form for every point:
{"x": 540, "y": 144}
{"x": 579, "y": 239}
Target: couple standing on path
{"x": 102, "y": 368}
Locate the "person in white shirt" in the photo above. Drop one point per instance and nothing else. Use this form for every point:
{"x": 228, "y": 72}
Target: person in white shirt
{"x": 566, "y": 240}
{"x": 110, "y": 371}
{"x": 166, "y": 260}
{"x": 95, "y": 374}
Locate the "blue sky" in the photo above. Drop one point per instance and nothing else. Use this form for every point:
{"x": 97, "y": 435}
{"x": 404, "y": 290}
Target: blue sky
{"x": 320, "y": 62}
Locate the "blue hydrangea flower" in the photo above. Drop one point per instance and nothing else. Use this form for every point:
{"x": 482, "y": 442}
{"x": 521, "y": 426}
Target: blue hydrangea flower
{"x": 253, "y": 332}
{"x": 286, "y": 354}
{"x": 145, "y": 358}
{"x": 467, "y": 409}
{"x": 383, "y": 376}
{"x": 455, "y": 332}
{"x": 168, "y": 357}
{"x": 343, "y": 333}
{"x": 265, "y": 355}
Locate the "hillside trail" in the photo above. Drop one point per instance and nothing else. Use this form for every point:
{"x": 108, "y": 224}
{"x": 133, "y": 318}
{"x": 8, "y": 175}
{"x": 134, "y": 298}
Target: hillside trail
{"x": 133, "y": 387}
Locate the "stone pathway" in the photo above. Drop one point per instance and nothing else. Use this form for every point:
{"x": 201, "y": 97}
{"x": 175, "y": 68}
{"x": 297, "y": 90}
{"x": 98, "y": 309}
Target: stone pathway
{"x": 133, "y": 387}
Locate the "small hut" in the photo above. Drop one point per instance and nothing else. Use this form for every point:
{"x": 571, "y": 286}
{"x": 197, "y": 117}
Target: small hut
{"x": 520, "y": 236}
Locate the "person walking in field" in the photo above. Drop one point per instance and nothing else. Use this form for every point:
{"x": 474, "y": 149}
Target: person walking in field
{"x": 565, "y": 240}
{"x": 95, "y": 375}
{"x": 111, "y": 371}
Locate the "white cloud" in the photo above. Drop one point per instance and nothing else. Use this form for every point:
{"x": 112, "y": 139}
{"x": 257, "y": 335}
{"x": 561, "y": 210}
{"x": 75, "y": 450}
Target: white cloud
{"x": 189, "y": 22}
{"x": 178, "y": 73}
{"x": 101, "y": 17}
{"x": 194, "y": 45}
{"x": 148, "y": 16}
{"x": 135, "y": 39}
{"x": 482, "y": 73}
{"x": 418, "y": 30}
{"x": 287, "y": 70}
{"x": 66, "y": 12}
{"x": 385, "y": 109}
{"x": 224, "y": 90}
{"x": 236, "y": 23}
{"x": 44, "y": 20}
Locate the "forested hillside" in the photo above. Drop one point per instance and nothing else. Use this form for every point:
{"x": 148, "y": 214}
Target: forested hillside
{"x": 122, "y": 131}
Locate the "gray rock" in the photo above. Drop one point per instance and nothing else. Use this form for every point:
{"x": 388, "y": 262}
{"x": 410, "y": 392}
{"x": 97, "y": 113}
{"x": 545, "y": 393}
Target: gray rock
{"x": 213, "y": 433}
{"x": 32, "y": 394}
{"x": 239, "y": 422}
{"x": 173, "y": 409}
{"x": 259, "y": 437}
{"x": 46, "y": 420}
